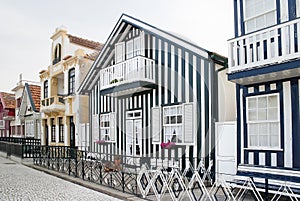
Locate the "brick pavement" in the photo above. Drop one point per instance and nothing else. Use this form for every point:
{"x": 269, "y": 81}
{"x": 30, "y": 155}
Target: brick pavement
{"x": 18, "y": 182}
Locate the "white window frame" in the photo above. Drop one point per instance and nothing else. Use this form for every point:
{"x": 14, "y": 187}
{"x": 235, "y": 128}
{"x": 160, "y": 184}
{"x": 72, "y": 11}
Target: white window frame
{"x": 105, "y": 127}
{"x": 266, "y": 121}
{"x": 258, "y": 15}
{"x": 167, "y": 137}
{"x": 120, "y": 58}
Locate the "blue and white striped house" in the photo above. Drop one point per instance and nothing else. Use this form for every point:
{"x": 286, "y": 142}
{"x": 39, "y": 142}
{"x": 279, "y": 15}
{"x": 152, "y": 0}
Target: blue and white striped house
{"x": 264, "y": 62}
{"x": 148, "y": 87}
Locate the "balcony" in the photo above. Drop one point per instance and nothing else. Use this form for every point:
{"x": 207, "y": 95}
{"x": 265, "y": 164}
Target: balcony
{"x": 270, "y": 47}
{"x": 128, "y": 77}
{"x": 9, "y": 115}
{"x": 53, "y": 104}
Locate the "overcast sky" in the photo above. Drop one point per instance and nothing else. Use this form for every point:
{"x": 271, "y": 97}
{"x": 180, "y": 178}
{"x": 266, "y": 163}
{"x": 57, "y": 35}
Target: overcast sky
{"x": 26, "y": 27}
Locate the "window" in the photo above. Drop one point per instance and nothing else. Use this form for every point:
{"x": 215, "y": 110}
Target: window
{"x": 120, "y": 52}
{"x": 259, "y": 14}
{"x": 71, "y": 89}
{"x": 263, "y": 121}
{"x": 61, "y": 129}
{"x": 57, "y": 54}
{"x": 133, "y": 47}
{"x": 105, "y": 127}
{"x": 53, "y": 138}
{"x": 46, "y": 89}
{"x": 29, "y": 126}
{"x": 172, "y": 123}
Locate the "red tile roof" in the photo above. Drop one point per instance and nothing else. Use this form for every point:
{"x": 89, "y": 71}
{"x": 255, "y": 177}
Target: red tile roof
{"x": 93, "y": 56}
{"x": 84, "y": 42}
{"x": 8, "y": 100}
{"x": 35, "y": 95}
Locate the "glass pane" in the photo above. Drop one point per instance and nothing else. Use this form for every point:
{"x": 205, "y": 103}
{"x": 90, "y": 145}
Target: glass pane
{"x": 274, "y": 142}
{"x": 252, "y": 129}
{"x": 260, "y": 22}
{"x": 179, "y": 110}
{"x": 173, "y": 119}
{"x": 173, "y": 111}
{"x": 274, "y": 129}
{"x": 271, "y": 18}
{"x": 263, "y": 129}
{"x": 166, "y": 120}
{"x": 262, "y": 114}
{"x": 272, "y": 101}
{"x": 262, "y": 102}
{"x": 253, "y": 140}
{"x": 179, "y": 119}
{"x": 252, "y": 103}
{"x": 168, "y": 130}
{"x": 273, "y": 114}
{"x": 263, "y": 140}
{"x": 252, "y": 115}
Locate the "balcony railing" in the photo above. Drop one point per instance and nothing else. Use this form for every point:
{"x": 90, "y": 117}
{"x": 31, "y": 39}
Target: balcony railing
{"x": 272, "y": 45}
{"x": 53, "y": 103}
{"x": 136, "y": 69}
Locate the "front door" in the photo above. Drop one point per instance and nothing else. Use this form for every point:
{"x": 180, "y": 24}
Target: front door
{"x": 134, "y": 133}
{"x": 46, "y": 134}
{"x": 72, "y": 132}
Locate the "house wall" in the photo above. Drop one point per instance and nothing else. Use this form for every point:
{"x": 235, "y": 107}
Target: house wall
{"x": 183, "y": 76}
{"x": 288, "y": 153}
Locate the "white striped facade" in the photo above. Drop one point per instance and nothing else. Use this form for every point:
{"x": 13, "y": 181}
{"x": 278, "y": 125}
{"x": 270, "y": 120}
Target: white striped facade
{"x": 185, "y": 76}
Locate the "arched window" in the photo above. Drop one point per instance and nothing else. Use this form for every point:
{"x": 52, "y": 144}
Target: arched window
{"x": 46, "y": 89}
{"x": 71, "y": 89}
{"x": 57, "y": 54}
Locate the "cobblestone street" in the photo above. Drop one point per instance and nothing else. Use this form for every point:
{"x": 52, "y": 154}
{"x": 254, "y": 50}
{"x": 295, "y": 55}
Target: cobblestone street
{"x": 18, "y": 182}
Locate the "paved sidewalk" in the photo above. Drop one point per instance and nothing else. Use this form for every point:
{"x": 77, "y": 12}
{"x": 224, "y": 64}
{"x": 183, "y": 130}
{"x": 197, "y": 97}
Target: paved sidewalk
{"x": 18, "y": 182}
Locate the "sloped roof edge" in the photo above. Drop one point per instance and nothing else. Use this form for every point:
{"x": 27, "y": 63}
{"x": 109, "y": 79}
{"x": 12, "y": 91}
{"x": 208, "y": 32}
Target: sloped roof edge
{"x": 144, "y": 26}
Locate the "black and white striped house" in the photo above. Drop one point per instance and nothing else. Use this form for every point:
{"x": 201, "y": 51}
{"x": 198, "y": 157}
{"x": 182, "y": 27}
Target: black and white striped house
{"x": 264, "y": 62}
{"x": 154, "y": 95}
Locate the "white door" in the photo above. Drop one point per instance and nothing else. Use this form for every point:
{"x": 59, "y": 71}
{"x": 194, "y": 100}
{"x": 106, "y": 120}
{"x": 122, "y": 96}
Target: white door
{"x": 134, "y": 133}
{"x": 226, "y": 156}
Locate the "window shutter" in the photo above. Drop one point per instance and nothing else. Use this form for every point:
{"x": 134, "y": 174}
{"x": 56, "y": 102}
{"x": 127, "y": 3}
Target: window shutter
{"x": 95, "y": 130}
{"x": 156, "y": 124}
{"x": 112, "y": 127}
{"x": 188, "y": 115}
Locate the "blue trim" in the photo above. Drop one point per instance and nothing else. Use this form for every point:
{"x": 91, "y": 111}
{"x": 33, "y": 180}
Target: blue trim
{"x": 245, "y": 91}
{"x": 183, "y": 75}
{"x": 265, "y": 70}
{"x": 242, "y": 17}
{"x": 190, "y": 77}
{"x": 292, "y": 9}
{"x": 256, "y": 157}
{"x": 206, "y": 103}
{"x": 295, "y": 122}
{"x": 278, "y": 11}
{"x": 163, "y": 67}
{"x": 236, "y": 30}
{"x": 169, "y": 73}
{"x": 176, "y": 75}
{"x": 199, "y": 112}
{"x": 268, "y": 158}
{"x": 238, "y": 123}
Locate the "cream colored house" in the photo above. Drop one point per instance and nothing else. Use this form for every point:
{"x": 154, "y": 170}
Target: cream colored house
{"x": 63, "y": 110}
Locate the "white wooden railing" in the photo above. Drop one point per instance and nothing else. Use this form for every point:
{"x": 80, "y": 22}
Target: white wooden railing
{"x": 136, "y": 69}
{"x": 272, "y": 45}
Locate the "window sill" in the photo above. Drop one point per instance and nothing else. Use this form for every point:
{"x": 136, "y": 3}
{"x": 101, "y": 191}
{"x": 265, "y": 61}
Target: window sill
{"x": 262, "y": 149}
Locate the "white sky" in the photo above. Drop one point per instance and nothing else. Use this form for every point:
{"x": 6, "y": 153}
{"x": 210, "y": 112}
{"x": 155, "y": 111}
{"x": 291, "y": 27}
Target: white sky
{"x": 26, "y": 27}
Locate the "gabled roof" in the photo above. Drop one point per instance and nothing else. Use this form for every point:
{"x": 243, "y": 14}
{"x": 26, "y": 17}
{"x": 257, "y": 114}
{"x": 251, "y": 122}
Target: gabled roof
{"x": 8, "y": 100}
{"x": 85, "y": 42}
{"x": 121, "y": 24}
{"x": 34, "y": 95}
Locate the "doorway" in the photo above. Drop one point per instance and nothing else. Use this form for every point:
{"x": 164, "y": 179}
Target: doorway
{"x": 134, "y": 133}
{"x": 72, "y": 132}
